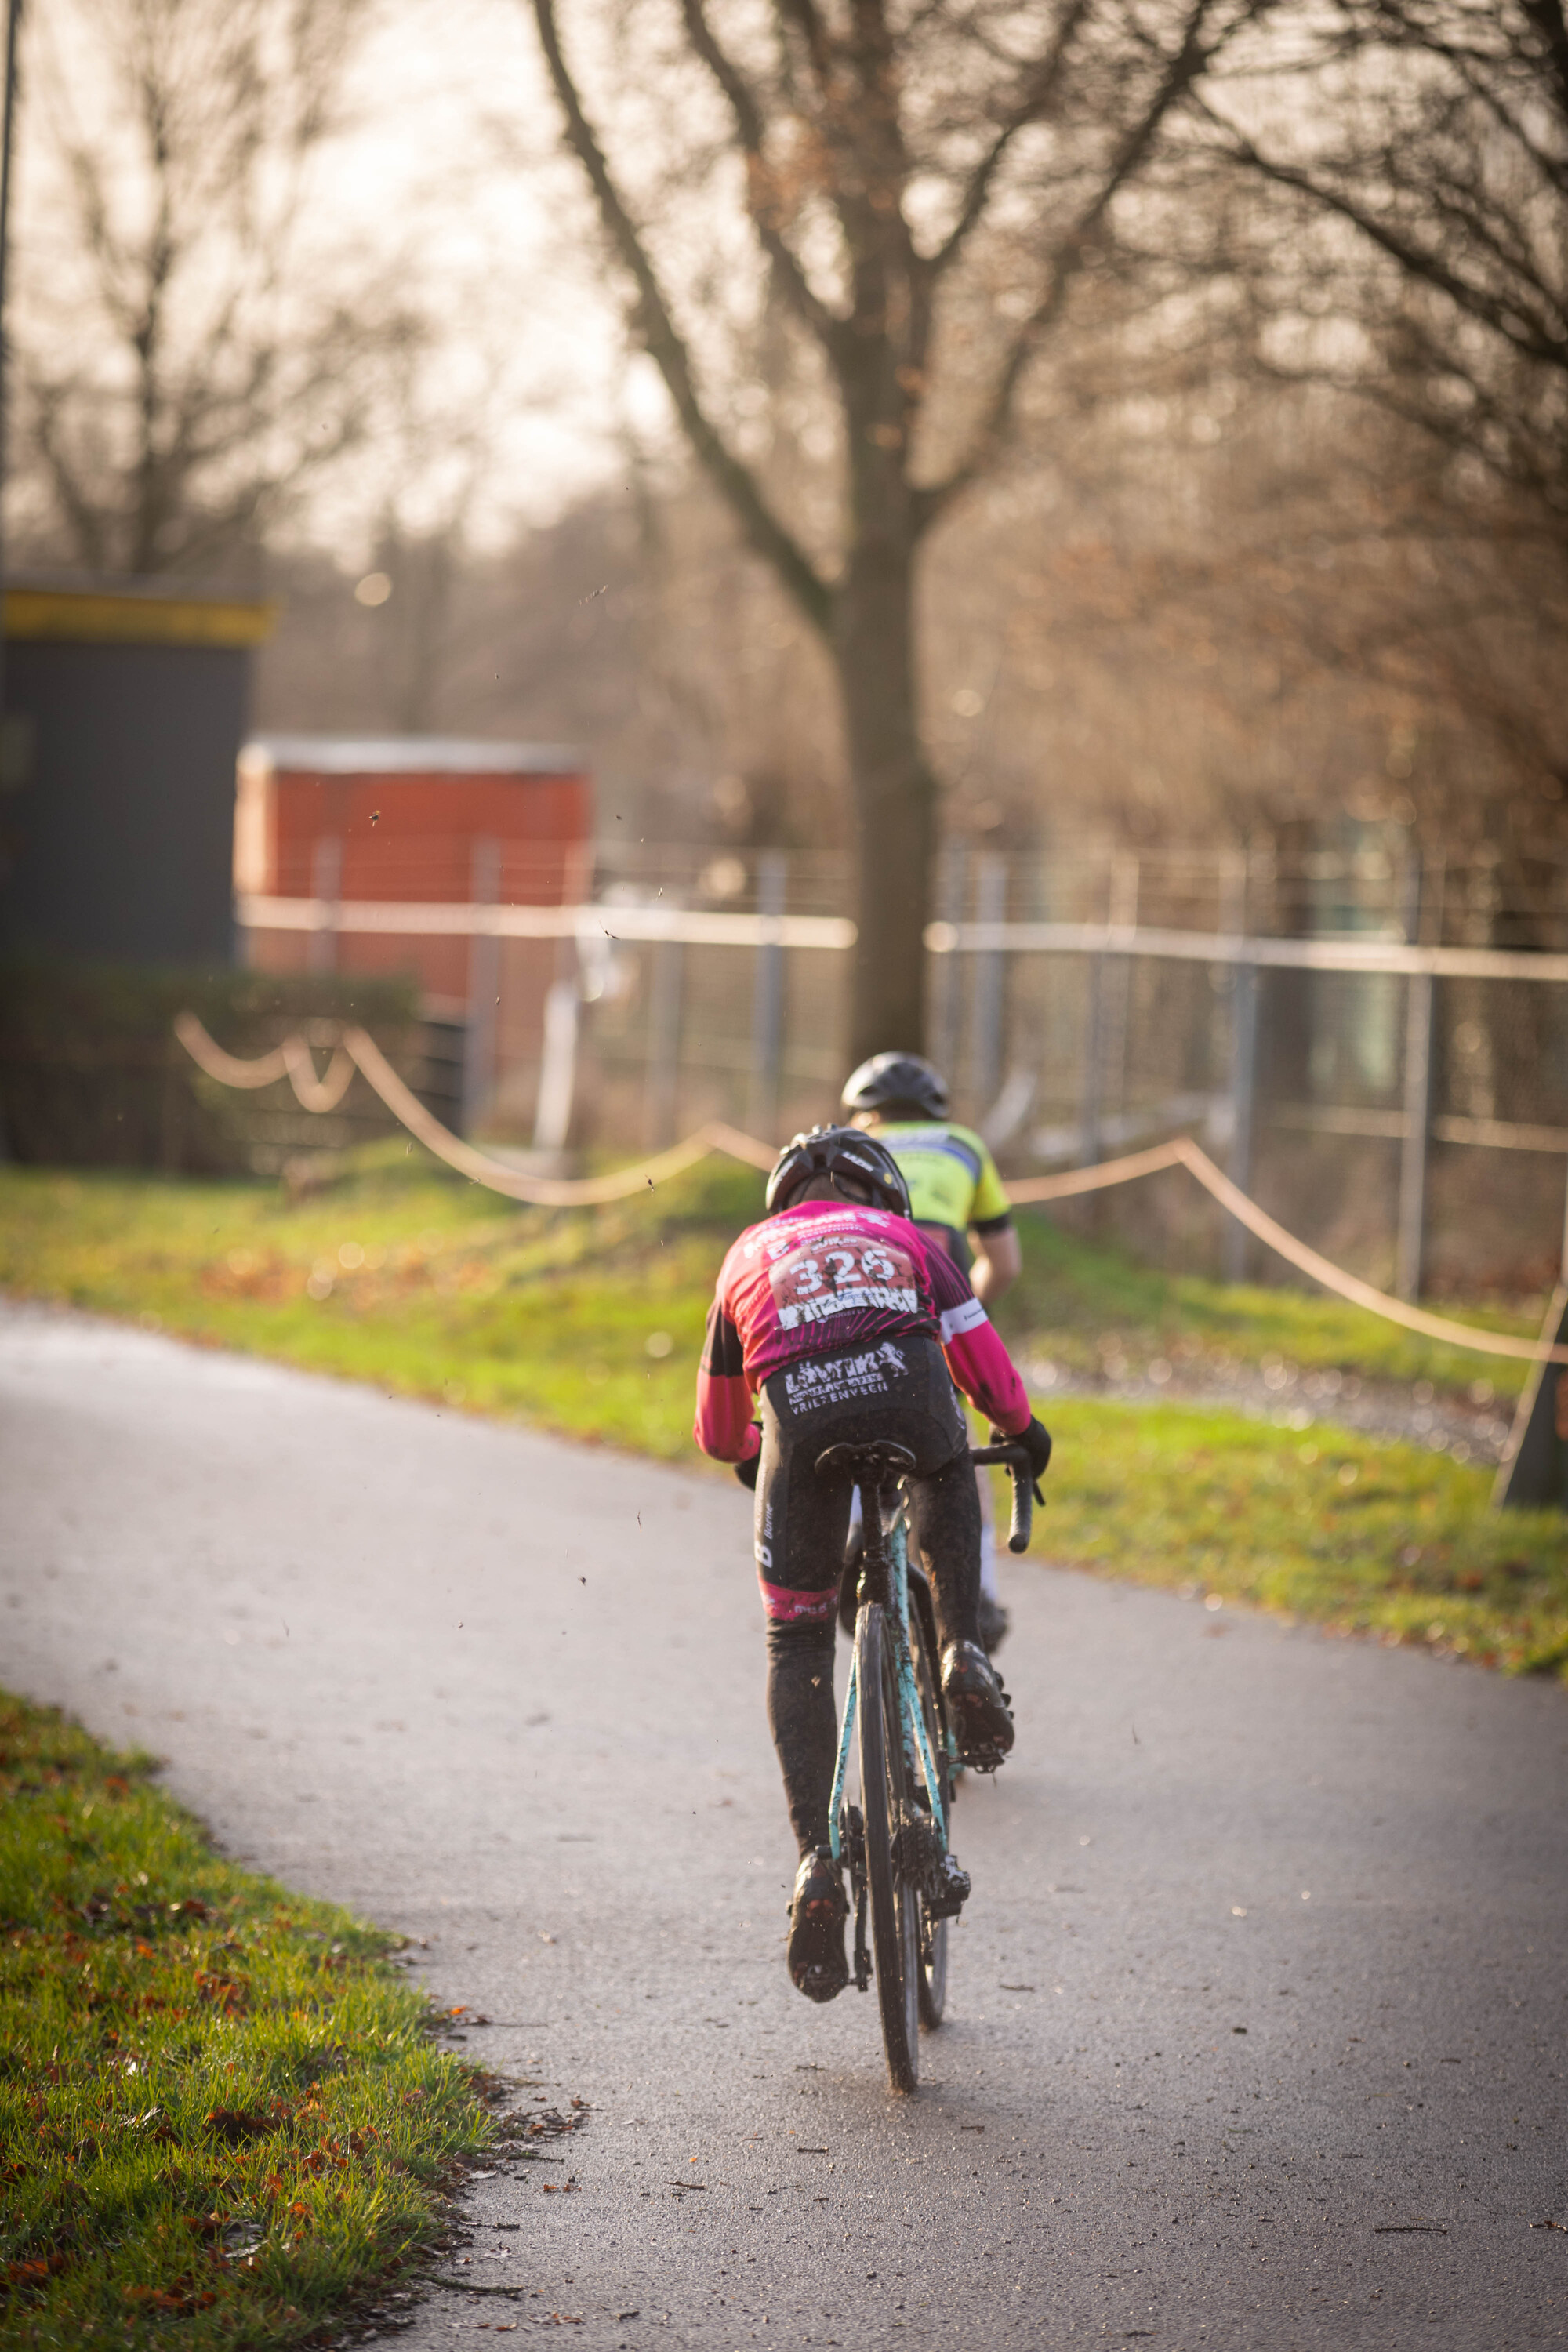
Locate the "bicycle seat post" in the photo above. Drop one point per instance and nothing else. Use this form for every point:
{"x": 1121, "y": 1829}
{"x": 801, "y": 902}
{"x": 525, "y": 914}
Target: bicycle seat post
{"x": 870, "y": 1468}
{"x": 874, "y": 1558}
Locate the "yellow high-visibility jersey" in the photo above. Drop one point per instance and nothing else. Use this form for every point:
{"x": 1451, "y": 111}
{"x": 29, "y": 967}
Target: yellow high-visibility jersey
{"x": 952, "y": 1180}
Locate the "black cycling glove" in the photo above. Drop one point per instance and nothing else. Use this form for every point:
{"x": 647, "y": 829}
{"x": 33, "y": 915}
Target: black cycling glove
{"x": 1037, "y": 1442}
{"x": 746, "y": 1472}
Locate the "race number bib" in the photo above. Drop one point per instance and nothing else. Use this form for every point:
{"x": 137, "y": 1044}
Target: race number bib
{"x": 840, "y": 1277}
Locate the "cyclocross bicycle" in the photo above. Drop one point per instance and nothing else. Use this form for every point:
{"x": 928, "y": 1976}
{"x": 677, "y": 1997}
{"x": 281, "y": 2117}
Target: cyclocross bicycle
{"x": 898, "y": 1840}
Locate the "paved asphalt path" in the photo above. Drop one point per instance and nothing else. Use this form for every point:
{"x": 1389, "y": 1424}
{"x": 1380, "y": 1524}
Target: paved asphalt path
{"x": 1256, "y": 2034}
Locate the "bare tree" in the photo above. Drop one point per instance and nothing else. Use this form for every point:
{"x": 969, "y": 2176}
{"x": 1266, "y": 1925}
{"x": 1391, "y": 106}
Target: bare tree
{"x": 927, "y": 190}
{"x": 192, "y": 352}
{"x": 1430, "y": 140}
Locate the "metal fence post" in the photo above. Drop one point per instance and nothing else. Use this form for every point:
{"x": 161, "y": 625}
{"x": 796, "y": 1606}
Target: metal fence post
{"x": 986, "y": 1003}
{"x": 558, "y": 1067}
{"x": 1243, "y": 1106}
{"x": 484, "y": 989}
{"x": 951, "y": 908}
{"x": 664, "y": 1044}
{"x": 326, "y": 890}
{"x": 1411, "y": 1236}
{"x": 1116, "y": 1003}
{"x": 1088, "y": 1102}
{"x": 767, "y": 999}
{"x": 1109, "y": 987}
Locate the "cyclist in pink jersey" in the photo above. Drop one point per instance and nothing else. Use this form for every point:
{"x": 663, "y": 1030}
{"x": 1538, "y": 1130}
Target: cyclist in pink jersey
{"x": 842, "y": 1322}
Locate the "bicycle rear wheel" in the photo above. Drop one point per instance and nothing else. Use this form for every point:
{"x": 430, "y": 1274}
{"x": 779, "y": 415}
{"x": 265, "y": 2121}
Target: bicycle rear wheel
{"x": 931, "y": 1942}
{"x": 895, "y": 1908}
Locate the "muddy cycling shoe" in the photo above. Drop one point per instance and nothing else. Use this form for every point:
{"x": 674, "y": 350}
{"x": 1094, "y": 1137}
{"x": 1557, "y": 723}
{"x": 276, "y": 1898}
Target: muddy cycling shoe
{"x": 977, "y": 1705}
{"x": 816, "y": 1964}
{"x": 993, "y": 1624}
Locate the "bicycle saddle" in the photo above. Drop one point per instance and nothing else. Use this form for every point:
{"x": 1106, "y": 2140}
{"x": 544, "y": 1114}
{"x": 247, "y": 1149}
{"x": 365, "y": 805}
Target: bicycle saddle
{"x": 867, "y": 1465}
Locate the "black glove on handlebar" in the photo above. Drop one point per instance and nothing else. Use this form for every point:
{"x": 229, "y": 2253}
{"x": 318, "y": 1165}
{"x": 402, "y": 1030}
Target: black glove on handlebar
{"x": 1037, "y": 1438}
{"x": 1035, "y": 1442}
{"x": 746, "y": 1472}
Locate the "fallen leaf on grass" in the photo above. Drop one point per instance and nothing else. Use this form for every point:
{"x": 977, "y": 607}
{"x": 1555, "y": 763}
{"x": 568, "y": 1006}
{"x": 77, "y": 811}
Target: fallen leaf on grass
{"x": 38, "y": 2267}
{"x": 167, "y": 2298}
{"x": 237, "y": 2124}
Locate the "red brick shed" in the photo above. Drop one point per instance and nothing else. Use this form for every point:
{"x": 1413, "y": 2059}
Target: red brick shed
{"x": 416, "y": 819}
{"x": 413, "y": 818}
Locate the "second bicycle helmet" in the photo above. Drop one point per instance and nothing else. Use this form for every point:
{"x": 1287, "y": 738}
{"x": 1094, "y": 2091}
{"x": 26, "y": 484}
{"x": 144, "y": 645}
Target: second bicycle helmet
{"x": 862, "y": 1170}
{"x": 897, "y": 1078}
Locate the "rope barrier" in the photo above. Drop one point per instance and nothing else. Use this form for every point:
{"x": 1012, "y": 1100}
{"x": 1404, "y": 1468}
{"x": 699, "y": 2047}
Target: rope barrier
{"x": 1031, "y": 1189}
{"x": 1183, "y": 1152}
{"x": 543, "y": 1192}
{"x": 1349, "y": 1285}
{"x": 209, "y": 1055}
{"x": 358, "y": 1050}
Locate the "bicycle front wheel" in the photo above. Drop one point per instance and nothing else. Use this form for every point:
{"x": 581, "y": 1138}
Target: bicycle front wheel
{"x": 933, "y": 1938}
{"x": 895, "y": 1907}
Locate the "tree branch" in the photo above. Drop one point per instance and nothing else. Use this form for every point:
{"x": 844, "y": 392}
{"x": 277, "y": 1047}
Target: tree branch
{"x": 1042, "y": 87}
{"x": 667, "y": 349}
{"x": 1072, "y": 252}
{"x": 803, "y": 16}
{"x": 1547, "y": 17}
{"x": 1509, "y": 321}
{"x": 760, "y": 197}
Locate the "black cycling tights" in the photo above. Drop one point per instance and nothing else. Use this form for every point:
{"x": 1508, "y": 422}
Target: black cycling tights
{"x": 802, "y": 1715}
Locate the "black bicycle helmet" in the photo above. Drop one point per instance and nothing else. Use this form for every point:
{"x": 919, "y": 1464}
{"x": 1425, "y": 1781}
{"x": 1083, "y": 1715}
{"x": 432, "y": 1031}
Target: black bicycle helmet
{"x": 862, "y": 1170}
{"x": 897, "y": 1078}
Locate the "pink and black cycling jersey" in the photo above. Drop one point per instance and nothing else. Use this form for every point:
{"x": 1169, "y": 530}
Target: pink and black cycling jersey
{"x": 825, "y": 1277}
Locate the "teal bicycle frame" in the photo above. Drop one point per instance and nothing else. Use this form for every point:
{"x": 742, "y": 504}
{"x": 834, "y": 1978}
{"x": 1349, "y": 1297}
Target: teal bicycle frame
{"x": 902, "y": 1870}
{"x": 911, "y": 1715}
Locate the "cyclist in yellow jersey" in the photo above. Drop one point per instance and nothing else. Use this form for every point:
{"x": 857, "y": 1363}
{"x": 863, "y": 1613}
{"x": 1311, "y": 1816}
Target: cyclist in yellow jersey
{"x": 956, "y": 1195}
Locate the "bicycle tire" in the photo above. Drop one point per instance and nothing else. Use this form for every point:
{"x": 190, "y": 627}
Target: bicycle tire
{"x": 932, "y": 1941}
{"x": 895, "y": 1923}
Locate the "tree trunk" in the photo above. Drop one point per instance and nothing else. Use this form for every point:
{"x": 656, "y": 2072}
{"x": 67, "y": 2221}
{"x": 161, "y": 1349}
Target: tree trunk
{"x": 893, "y": 796}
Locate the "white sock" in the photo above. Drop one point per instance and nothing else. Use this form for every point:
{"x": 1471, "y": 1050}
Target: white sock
{"x": 989, "y": 1589}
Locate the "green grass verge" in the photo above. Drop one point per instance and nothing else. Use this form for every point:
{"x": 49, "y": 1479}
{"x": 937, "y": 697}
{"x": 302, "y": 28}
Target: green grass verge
{"x": 590, "y": 1323}
{"x": 218, "y": 2104}
{"x": 1087, "y": 1307}
{"x": 1363, "y": 1535}
{"x": 407, "y": 1278}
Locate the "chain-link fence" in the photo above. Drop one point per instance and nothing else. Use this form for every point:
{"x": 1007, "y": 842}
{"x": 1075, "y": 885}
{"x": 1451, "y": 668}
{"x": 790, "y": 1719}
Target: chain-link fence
{"x": 1376, "y": 1046}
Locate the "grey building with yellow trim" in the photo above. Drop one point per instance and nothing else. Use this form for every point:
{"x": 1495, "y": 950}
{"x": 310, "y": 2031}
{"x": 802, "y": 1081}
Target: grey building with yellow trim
{"x": 126, "y": 705}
